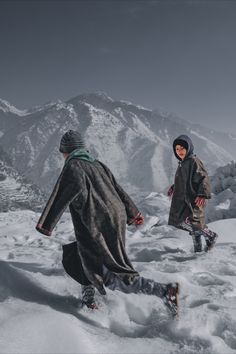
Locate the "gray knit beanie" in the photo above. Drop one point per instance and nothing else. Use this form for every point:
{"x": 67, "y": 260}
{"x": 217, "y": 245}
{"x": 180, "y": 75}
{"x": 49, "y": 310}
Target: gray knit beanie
{"x": 70, "y": 141}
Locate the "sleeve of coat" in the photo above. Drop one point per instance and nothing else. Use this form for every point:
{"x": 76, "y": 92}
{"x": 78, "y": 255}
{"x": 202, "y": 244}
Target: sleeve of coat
{"x": 130, "y": 207}
{"x": 201, "y": 180}
{"x": 67, "y": 188}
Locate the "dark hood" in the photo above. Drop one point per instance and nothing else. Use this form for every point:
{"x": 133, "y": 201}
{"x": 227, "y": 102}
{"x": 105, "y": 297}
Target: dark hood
{"x": 188, "y": 141}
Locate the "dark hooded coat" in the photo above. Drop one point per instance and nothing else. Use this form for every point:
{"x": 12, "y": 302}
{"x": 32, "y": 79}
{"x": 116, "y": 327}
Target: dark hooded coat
{"x": 100, "y": 210}
{"x": 191, "y": 181}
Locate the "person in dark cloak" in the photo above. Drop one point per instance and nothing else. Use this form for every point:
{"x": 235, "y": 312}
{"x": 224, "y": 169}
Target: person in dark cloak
{"x": 100, "y": 210}
{"x": 189, "y": 193}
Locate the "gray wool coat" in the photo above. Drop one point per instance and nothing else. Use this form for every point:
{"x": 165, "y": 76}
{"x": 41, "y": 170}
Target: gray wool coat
{"x": 100, "y": 210}
{"x": 191, "y": 181}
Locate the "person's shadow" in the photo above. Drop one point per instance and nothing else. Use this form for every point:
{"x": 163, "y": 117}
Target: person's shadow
{"x": 15, "y": 283}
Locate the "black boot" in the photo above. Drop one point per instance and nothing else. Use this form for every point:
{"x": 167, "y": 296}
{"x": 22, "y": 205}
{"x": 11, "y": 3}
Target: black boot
{"x": 171, "y": 298}
{"x": 88, "y": 292}
{"x": 210, "y": 238}
{"x": 197, "y": 242}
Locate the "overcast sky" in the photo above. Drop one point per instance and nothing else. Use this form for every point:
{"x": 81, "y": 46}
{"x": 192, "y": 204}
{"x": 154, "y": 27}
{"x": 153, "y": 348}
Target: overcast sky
{"x": 178, "y": 56}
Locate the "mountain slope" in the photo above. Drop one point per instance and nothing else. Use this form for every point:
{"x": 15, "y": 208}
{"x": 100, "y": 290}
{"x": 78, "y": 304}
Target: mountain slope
{"x": 15, "y": 191}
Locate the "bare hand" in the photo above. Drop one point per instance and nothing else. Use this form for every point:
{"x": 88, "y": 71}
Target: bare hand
{"x": 170, "y": 192}
{"x": 138, "y": 220}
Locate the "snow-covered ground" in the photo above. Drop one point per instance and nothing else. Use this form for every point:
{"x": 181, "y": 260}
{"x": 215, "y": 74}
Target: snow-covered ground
{"x": 223, "y": 202}
{"x": 39, "y": 303}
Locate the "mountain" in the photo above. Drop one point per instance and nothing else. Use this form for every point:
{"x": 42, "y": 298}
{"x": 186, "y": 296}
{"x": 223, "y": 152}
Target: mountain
{"x": 6, "y": 107}
{"x": 15, "y": 191}
{"x": 223, "y": 202}
{"x": 136, "y": 143}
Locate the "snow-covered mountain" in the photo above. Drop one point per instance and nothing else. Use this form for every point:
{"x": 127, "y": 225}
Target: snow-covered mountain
{"x": 6, "y": 107}
{"x": 223, "y": 203}
{"x": 15, "y": 191}
{"x": 133, "y": 141}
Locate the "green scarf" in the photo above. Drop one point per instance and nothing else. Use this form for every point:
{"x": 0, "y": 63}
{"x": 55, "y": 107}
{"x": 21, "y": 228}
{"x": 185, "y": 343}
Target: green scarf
{"x": 81, "y": 154}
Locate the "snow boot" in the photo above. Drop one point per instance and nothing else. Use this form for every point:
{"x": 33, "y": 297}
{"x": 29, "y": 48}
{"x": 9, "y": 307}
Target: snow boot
{"x": 88, "y": 292}
{"x": 197, "y": 241}
{"x": 171, "y": 298}
{"x": 210, "y": 238}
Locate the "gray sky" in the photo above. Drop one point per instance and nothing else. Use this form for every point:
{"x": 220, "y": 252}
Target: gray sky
{"x": 178, "y": 56}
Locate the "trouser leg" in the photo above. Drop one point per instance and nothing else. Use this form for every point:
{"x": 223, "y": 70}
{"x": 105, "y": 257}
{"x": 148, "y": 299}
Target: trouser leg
{"x": 197, "y": 241}
{"x": 138, "y": 285}
{"x": 167, "y": 292}
{"x": 196, "y": 234}
{"x": 197, "y": 228}
{"x": 186, "y": 225}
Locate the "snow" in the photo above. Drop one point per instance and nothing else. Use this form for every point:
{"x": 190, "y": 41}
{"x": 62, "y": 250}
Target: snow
{"x": 6, "y": 107}
{"x": 71, "y": 111}
{"x": 103, "y": 133}
{"x": 128, "y": 103}
{"x": 224, "y": 205}
{"x": 103, "y": 95}
{"x": 161, "y": 179}
{"x": 141, "y": 129}
{"x": 46, "y": 106}
{"x": 221, "y": 155}
{"x": 41, "y": 330}
{"x": 39, "y": 304}
{"x": 140, "y": 107}
{"x": 223, "y": 202}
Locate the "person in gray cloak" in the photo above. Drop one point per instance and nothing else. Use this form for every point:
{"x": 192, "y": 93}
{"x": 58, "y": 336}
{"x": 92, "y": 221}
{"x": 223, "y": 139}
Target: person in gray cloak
{"x": 100, "y": 210}
{"x": 189, "y": 193}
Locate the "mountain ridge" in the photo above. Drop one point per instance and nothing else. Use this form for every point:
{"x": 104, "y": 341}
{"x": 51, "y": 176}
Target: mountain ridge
{"x": 135, "y": 142}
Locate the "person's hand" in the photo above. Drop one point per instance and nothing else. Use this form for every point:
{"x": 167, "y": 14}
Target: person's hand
{"x": 170, "y": 191}
{"x": 200, "y": 202}
{"x": 138, "y": 220}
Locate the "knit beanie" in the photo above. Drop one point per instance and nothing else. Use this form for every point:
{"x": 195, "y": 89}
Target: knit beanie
{"x": 71, "y": 141}
{"x": 180, "y": 142}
